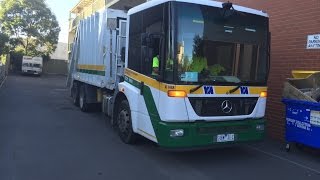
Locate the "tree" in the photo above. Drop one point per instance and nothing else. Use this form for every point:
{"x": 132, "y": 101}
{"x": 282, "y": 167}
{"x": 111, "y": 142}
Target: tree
{"x": 31, "y": 26}
{"x": 198, "y": 45}
{"x": 4, "y": 39}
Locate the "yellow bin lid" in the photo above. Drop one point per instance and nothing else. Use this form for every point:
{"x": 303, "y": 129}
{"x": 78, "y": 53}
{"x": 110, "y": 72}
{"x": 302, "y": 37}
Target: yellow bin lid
{"x": 302, "y": 74}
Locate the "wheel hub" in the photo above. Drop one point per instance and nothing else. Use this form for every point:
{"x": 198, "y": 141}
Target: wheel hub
{"x": 124, "y": 121}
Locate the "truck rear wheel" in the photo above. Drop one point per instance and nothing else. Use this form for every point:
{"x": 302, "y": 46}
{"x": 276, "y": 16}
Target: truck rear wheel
{"x": 84, "y": 106}
{"x": 124, "y": 123}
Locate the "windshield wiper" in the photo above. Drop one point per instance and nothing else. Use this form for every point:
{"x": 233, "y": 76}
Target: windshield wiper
{"x": 196, "y": 88}
{"x": 240, "y": 84}
{"x": 202, "y": 84}
{"x": 231, "y": 91}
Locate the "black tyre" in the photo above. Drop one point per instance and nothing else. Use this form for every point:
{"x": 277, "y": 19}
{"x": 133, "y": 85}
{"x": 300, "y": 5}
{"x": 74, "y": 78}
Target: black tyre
{"x": 84, "y": 106}
{"x": 75, "y": 94}
{"x": 124, "y": 123}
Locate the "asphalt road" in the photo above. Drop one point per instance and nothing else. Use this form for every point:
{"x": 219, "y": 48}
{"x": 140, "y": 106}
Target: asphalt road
{"x": 44, "y": 137}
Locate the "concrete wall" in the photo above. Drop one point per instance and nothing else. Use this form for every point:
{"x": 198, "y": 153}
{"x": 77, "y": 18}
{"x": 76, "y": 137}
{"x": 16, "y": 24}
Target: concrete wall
{"x": 291, "y": 21}
{"x": 55, "y": 67}
{"x": 61, "y": 52}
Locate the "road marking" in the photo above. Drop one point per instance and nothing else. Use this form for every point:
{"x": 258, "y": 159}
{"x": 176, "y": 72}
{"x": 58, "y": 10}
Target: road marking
{"x": 285, "y": 159}
{"x": 3, "y": 81}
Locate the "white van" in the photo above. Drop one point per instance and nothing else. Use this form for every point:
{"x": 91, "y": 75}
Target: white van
{"x": 32, "y": 65}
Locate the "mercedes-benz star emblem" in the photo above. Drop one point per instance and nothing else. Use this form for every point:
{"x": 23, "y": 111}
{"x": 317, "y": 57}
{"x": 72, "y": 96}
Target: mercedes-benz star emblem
{"x": 226, "y": 106}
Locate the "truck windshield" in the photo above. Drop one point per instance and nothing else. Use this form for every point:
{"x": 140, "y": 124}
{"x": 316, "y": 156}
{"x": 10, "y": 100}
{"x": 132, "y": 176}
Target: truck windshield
{"x": 37, "y": 65}
{"x": 220, "y": 47}
{"x": 26, "y": 64}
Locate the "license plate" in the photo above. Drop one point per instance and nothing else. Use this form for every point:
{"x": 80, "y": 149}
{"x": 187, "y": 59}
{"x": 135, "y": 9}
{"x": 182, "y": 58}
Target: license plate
{"x": 225, "y": 137}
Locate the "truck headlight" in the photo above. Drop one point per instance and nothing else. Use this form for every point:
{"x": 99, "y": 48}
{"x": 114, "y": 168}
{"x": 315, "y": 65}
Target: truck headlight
{"x": 176, "y": 133}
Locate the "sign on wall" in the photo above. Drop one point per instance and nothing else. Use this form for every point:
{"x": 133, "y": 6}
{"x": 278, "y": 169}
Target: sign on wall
{"x": 313, "y": 41}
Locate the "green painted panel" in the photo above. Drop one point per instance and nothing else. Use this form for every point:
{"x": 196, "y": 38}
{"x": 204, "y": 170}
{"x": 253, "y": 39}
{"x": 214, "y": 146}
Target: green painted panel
{"x": 95, "y": 72}
{"x": 201, "y": 134}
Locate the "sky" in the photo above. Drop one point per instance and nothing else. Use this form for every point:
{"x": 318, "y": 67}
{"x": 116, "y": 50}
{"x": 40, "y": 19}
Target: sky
{"x": 61, "y": 9}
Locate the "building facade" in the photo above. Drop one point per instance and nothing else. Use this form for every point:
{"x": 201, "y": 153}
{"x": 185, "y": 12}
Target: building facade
{"x": 85, "y": 8}
{"x": 61, "y": 52}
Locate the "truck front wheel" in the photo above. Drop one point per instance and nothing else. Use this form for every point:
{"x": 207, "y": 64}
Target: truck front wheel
{"x": 124, "y": 123}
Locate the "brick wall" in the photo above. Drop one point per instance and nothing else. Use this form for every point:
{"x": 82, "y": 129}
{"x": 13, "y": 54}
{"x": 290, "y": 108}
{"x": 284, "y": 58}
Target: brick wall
{"x": 290, "y": 23}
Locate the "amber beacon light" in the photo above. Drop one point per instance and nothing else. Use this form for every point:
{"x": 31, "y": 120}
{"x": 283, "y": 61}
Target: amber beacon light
{"x": 263, "y": 94}
{"x": 177, "y": 93}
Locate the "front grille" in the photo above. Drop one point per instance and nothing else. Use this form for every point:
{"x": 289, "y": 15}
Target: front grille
{"x": 214, "y": 106}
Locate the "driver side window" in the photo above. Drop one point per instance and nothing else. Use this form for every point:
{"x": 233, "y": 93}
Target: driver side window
{"x": 146, "y": 58}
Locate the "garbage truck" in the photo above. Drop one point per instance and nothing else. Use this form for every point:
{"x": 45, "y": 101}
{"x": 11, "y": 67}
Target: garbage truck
{"x": 181, "y": 73}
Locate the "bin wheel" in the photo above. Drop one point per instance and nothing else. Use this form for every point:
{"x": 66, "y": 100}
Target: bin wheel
{"x": 287, "y": 147}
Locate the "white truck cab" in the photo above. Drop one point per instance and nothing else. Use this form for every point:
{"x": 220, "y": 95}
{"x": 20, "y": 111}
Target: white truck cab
{"x": 32, "y": 65}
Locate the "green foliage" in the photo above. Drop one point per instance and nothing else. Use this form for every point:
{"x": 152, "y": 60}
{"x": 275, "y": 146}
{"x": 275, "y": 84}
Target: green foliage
{"x": 3, "y": 59}
{"x": 30, "y": 25}
{"x": 216, "y": 69}
{"x": 4, "y": 39}
{"x": 198, "y": 46}
{"x": 198, "y": 64}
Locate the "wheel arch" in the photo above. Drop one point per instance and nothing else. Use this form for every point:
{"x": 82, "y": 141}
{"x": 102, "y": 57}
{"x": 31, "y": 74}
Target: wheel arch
{"x": 131, "y": 94}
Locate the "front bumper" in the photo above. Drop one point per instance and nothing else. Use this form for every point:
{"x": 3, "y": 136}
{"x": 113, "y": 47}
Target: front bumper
{"x": 204, "y": 134}
{"x": 31, "y": 72}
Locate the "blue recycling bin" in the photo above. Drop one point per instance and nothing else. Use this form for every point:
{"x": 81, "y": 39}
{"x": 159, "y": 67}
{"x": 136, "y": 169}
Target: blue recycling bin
{"x": 302, "y": 122}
